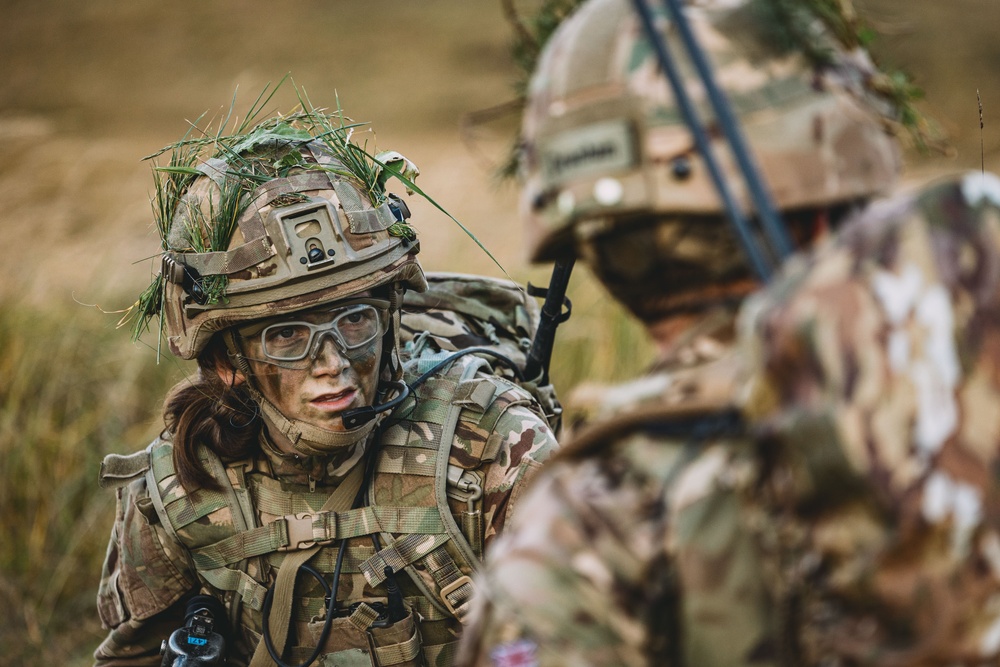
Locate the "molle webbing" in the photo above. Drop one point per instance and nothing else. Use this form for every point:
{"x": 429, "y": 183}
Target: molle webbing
{"x": 402, "y": 553}
{"x": 322, "y": 527}
{"x": 181, "y": 513}
{"x": 418, "y": 441}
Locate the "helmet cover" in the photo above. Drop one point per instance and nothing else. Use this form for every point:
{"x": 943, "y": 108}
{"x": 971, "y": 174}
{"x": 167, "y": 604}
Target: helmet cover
{"x": 603, "y": 138}
{"x": 285, "y": 215}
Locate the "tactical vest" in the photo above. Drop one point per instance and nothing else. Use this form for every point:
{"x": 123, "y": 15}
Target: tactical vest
{"x": 424, "y": 503}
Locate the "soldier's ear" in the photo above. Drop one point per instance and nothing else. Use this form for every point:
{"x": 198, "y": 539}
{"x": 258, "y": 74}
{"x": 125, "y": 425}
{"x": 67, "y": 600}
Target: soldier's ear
{"x": 230, "y": 375}
{"x": 223, "y": 366}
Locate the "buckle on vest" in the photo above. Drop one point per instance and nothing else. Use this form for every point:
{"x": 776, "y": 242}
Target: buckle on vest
{"x": 300, "y": 531}
{"x": 451, "y": 588}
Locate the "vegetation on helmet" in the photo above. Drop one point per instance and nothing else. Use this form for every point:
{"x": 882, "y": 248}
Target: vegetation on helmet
{"x": 261, "y": 148}
{"x": 255, "y": 151}
{"x": 820, "y": 29}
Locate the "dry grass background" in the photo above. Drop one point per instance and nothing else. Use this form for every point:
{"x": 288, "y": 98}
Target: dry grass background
{"x": 87, "y": 89}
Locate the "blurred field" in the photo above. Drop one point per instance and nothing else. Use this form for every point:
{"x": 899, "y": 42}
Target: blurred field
{"x": 87, "y": 89}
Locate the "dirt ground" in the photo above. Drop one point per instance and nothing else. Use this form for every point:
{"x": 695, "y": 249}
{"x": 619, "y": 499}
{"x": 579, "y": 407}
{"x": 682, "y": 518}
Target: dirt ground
{"x": 88, "y": 89}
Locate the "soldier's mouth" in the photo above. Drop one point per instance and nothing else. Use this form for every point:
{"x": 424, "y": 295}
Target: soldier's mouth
{"x": 334, "y": 402}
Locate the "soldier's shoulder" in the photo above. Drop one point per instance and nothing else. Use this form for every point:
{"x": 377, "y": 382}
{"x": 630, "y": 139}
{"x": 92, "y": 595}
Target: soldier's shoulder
{"x": 121, "y": 470}
{"x": 666, "y": 403}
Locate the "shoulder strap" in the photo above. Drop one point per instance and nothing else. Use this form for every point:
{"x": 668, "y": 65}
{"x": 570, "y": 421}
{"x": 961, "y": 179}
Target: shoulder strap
{"x": 449, "y": 557}
{"x": 118, "y": 470}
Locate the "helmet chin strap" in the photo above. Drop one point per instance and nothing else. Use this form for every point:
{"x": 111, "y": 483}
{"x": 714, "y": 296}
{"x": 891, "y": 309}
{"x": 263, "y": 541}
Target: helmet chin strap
{"x": 305, "y": 438}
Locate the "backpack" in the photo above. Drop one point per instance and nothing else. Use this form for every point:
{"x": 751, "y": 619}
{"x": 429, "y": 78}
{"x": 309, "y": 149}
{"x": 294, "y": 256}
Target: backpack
{"x": 492, "y": 318}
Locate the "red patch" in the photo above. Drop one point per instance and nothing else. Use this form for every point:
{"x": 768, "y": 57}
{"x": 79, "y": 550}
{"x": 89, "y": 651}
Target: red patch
{"x": 520, "y": 653}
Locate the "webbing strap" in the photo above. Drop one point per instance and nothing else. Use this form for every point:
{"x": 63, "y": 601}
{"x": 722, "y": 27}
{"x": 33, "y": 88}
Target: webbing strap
{"x": 303, "y": 530}
{"x": 224, "y": 262}
{"x": 456, "y": 587}
{"x": 425, "y": 608}
{"x": 441, "y": 654}
{"x": 472, "y": 527}
{"x": 400, "y": 554}
{"x": 272, "y": 499}
{"x": 363, "y": 616}
{"x": 199, "y": 504}
{"x": 227, "y": 579}
{"x": 396, "y": 460}
{"x": 362, "y": 220}
{"x": 394, "y": 654}
{"x": 284, "y": 587}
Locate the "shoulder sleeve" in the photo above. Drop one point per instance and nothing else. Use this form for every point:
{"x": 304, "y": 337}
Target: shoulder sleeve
{"x": 551, "y": 586}
{"x": 516, "y": 440}
{"x": 145, "y": 575}
{"x": 876, "y": 377}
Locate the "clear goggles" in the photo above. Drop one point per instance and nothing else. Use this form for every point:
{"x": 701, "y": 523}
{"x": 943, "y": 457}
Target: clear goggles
{"x": 354, "y": 328}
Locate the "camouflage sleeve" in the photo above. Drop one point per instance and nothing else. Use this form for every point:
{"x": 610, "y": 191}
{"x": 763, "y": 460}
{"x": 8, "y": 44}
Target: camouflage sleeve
{"x": 878, "y": 387}
{"x": 519, "y": 442}
{"x": 565, "y": 585}
{"x": 146, "y": 574}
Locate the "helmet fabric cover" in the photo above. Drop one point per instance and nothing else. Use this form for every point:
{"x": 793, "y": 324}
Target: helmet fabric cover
{"x": 604, "y": 139}
{"x": 307, "y": 237}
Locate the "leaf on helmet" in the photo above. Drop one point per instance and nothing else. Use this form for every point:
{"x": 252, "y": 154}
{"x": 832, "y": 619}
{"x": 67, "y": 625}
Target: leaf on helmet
{"x": 395, "y": 164}
{"x": 281, "y": 133}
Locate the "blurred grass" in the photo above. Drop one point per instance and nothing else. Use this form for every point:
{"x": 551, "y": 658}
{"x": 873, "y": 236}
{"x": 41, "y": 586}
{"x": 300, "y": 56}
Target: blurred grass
{"x": 74, "y": 390}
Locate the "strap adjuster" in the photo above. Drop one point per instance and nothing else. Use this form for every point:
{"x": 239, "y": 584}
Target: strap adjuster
{"x": 451, "y": 588}
{"x": 300, "y": 531}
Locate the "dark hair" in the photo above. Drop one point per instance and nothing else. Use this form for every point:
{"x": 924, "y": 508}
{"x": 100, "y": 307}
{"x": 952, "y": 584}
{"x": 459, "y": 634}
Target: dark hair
{"x": 210, "y": 410}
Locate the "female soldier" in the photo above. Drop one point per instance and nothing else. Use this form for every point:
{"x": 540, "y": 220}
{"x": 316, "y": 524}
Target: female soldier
{"x": 304, "y": 445}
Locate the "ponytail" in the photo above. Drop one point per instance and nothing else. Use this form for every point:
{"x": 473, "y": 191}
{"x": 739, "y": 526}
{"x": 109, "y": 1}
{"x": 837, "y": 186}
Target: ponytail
{"x": 210, "y": 409}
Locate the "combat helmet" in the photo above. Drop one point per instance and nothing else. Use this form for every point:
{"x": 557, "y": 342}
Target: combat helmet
{"x": 604, "y": 144}
{"x": 281, "y": 216}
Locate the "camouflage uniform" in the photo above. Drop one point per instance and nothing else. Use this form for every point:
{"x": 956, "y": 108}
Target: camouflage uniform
{"x": 809, "y": 490}
{"x": 268, "y": 228}
{"x": 858, "y": 526}
{"x": 147, "y": 571}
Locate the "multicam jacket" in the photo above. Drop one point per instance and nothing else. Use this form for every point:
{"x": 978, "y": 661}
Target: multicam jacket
{"x": 451, "y": 462}
{"x": 856, "y": 518}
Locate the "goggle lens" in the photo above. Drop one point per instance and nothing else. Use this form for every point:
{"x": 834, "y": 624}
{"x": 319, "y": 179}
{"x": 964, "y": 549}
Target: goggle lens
{"x": 352, "y": 327}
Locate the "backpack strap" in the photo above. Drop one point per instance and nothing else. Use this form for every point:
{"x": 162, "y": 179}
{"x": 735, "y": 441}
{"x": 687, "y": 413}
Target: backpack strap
{"x": 421, "y": 439}
{"x": 178, "y": 509}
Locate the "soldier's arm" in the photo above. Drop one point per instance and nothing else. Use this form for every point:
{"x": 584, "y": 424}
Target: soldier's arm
{"x": 552, "y": 590}
{"x": 877, "y": 384}
{"x": 525, "y": 442}
{"x": 145, "y": 578}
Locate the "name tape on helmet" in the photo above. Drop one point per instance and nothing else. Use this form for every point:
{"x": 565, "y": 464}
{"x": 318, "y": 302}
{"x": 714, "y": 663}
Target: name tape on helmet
{"x": 593, "y": 150}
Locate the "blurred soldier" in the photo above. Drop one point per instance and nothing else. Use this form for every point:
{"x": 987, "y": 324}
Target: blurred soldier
{"x": 855, "y": 521}
{"x": 306, "y": 466}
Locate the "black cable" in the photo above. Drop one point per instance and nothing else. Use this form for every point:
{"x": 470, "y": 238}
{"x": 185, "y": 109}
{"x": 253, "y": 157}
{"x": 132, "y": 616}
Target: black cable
{"x": 507, "y": 361}
{"x": 331, "y": 601}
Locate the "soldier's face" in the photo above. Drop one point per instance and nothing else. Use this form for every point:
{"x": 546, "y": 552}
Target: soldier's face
{"x": 340, "y": 348}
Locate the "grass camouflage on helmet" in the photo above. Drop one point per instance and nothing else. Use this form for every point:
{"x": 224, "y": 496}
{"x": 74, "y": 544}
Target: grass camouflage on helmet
{"x": 223, "y": 181}
{"x": 254, "y": 179}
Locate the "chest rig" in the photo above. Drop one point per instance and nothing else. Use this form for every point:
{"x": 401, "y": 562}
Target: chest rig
{"x": 422, "y": 513}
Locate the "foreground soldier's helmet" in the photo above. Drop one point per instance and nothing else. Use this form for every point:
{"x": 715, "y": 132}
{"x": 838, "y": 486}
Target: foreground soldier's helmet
{"x": 605, "y": 144}
{"x": 270, "y": 225}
